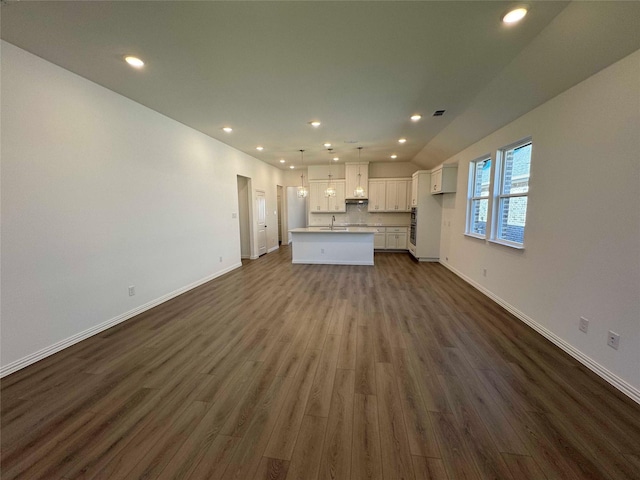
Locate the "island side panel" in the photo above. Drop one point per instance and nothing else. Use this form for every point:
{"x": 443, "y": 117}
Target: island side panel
{"x": 333, "y": 249}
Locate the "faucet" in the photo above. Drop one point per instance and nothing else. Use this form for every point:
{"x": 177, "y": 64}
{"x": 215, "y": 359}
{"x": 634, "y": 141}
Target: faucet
{"x": 333, "y": 219}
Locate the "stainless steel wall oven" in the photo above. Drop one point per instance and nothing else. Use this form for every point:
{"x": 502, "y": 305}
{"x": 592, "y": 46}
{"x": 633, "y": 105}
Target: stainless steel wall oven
{"x": 414, "y": 222}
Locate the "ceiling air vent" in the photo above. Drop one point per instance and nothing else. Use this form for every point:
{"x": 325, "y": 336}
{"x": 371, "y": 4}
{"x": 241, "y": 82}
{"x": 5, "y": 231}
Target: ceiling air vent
{"x": 438, "y": 113}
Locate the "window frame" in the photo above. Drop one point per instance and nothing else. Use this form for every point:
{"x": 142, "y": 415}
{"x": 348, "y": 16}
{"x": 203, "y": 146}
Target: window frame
{"x": 499, "y": 196}
{"x": 471, "y": 198}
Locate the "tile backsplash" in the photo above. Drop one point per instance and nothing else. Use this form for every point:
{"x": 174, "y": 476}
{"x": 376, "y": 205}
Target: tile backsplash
{"x": 359, "y": 214}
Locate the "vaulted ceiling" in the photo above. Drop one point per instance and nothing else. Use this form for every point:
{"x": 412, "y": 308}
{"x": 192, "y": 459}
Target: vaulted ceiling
{"x": 267, "y": 69}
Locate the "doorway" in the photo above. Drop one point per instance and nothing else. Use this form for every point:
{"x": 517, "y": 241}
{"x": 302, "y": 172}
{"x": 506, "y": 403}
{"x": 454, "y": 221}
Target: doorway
{"x": 261, "y": 214}
{"x": 244, "y": 215}
{"x": 280, "y": 209}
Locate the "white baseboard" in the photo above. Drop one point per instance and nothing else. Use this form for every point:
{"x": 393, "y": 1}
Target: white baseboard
{"x": 625, "y": 387}
{"x": 254, "y": 257}
{"x": 273, "y": 249}
{"x": 78, "y": 337}
{"x": 329, "y": 262}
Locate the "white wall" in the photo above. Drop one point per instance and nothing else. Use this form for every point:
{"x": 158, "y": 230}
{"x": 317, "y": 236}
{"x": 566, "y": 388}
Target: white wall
{"x": 582, "y": 255}
{"x": 321, "y": 172}
{"x": 292, "y": 177}
{"x": 99, "y": 193}
{"x": 392, "y": 169}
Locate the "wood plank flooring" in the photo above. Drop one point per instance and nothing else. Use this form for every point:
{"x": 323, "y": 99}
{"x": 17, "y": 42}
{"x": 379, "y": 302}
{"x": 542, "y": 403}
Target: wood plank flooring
{"x": 281, "y": 371}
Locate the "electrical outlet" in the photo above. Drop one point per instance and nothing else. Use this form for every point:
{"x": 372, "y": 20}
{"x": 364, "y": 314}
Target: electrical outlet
{"x": 220, "y": 259}
{"x": 322, "y": 250}
{"x": 132, "y": 290}
{"x": 613, "y": 340}
{"x": 234, "y": 215}
{"x": 484, "y": 272}
{"x": 583, "y": 326}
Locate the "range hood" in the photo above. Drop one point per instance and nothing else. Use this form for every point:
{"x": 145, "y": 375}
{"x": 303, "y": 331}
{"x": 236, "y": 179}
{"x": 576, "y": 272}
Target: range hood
{"x": 356, "y": 201}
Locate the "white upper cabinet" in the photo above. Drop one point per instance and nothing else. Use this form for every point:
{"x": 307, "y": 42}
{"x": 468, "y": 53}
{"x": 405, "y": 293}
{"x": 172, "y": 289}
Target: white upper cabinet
{"x": 443, "y": 179}
{"x": 377, "y": 195}
{"x": 397, "y": 194}
{"x": 414, "y": 190}
{"x": 337, "y": 203}
{"x": 318, "y": 203}
{"x": 352, "y": 180}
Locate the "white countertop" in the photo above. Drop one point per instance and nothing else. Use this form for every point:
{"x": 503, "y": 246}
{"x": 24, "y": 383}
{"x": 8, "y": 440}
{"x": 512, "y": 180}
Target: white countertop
{"x": 370, "y": 225}
{"x": 335, "y": 230}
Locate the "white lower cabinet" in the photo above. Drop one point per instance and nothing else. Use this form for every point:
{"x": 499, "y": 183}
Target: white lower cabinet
{"x": 380, "y": 238}
{"x": 396, "y": 241}
{"x": 390, "y": 238}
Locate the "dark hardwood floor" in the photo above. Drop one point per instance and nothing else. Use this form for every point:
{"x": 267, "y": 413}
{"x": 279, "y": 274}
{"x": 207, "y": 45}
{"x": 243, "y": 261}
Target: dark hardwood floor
{"x": 274, "y": 371}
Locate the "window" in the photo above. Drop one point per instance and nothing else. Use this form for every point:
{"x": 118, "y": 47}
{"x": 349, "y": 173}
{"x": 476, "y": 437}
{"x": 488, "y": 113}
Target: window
{"x": 478, "y": 199}
{"x": 512, "y": 189}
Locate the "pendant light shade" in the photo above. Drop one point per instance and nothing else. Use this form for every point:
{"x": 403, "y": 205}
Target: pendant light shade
{"x": 302, "y": 190}
{"x": 359, "y": 192}
{"x": 331, "y": 188}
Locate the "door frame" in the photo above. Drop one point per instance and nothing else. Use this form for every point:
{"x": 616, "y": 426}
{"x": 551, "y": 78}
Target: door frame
{"x": 250, "y": 215}
{"x": 256, "y": 250}
{"x": 281, "y": 219}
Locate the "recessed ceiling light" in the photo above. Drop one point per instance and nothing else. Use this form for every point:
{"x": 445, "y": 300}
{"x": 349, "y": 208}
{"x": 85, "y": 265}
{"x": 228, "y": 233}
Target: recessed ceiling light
{"x": 259, "y": 148}
{"x": 335, "y": 159}
{"x": 515, "y": 15}
{"x": 402, "y": 140}
{"x": 134, "y": 61}
{"x": 394, "y": 156}
{"x": 227, "y": 129}
{"x": 291, "y": 167}
{"x": 327, "y": 145}
{"x": 315, "y": 123}
{"x": 282, "y": 160}
{"x": 416, "y": 117}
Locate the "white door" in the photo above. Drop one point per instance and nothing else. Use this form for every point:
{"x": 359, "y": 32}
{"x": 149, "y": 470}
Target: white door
{"x": 261, "y": 208}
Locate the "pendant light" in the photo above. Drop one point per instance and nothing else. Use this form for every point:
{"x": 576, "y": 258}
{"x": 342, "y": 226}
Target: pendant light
{"x": 302, "y": 190}
{"x": 331, "y": 189}
{"x": 359, "y": 191}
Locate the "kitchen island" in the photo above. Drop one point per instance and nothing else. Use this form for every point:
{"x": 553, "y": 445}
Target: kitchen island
{"x": 337, "y": 246}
